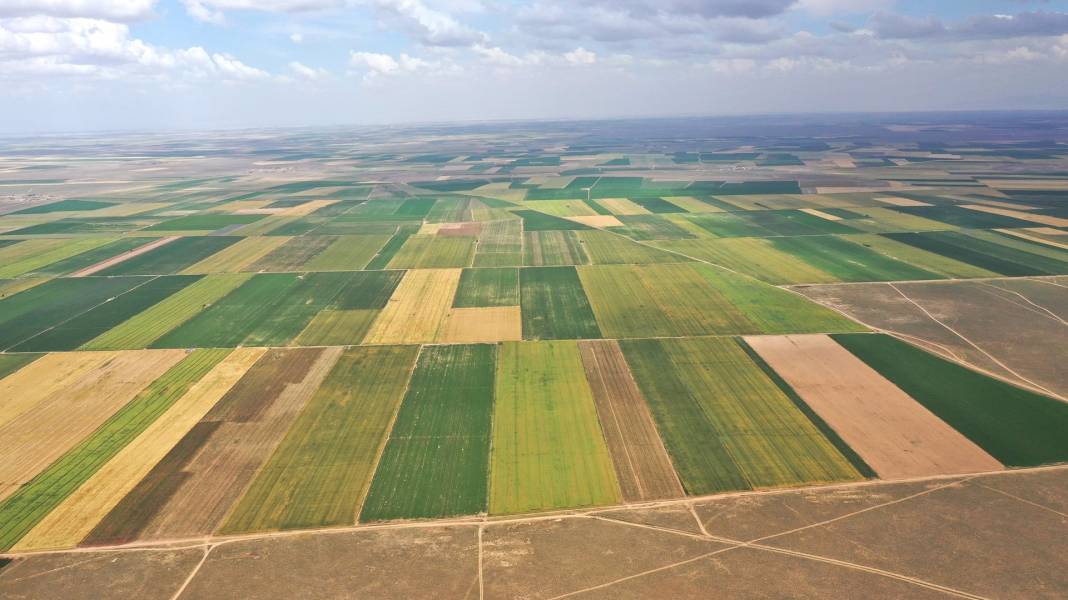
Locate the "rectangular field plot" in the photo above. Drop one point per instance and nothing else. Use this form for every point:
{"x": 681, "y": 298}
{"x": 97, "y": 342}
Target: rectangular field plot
{"x": 32, "y": 255}
{"x": 651, "y": 227}
{"x": 237, "y": 257}
{"x": 500, "y": 244}
{"x": 348, "y": 318}
{"x": 555, "y": 305}
{"x": 172, "y": 257}
{"x": 643, "y": 467}
{"x": 204, "y": 222}
{"x": 552, "y": 248}
{"x": 417, "y": 309}
{"x": 20, "y": 512}
{"x": 268, "y": 309}
{"x": 548, "y": 451}
{"x": 78, "y": 330}
{"x": 1017, "y": 427}
{"x": 39, "y": 308}
{"x": 606, "y": 248}
{"x": 191, "y": 489}
{"x": 319, "y": 473}
{"x": 292, "y": 255}
{"x": 896, "y": 436}
{"x": 436, "y": 463}
{"x": 658, "y": 300}
{"x": 149, "y": 325}
{"x": 727, "y": 425}
{"x": 481, "y": 288}
{"x": 86, "y": 260}
{"x": 347, "y": 253}
{"x": 434, "y": 252}
{"x": 757, "y": 257}
{"x": 848, "y": 261}
{"x": 1014, "y": 261}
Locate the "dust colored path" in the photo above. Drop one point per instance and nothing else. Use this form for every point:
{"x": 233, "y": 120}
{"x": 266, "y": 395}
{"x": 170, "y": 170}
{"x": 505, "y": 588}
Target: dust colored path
{"x": 893, "y": 433}
{"x": 114, "y": 260}
{"x": 642, "y": 464}
{"x": 71, "y": 521}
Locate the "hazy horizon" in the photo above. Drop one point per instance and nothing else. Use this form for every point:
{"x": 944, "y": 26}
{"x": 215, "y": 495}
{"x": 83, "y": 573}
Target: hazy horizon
{"x": 181, "y": 65}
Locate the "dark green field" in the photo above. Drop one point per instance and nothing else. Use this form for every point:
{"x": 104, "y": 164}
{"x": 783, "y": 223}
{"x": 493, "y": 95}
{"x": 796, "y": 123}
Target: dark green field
{"x": 555, "y": 306}
{"x": 487, "y": 287}
{"x": 437, "y": 457}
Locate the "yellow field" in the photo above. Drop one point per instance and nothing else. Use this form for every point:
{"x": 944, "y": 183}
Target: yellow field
{"x": 417, "y": 309}
{"x": 692, "y": 204}
{"x": 490, "y": 324}
{"x": 598, "y": 221}
{"x": 44, "y": 432}
{"x": 72, "y": 520}
{"x": 235, "y": 258}
{"x": 25, "y": 388}
{"x": 307, "y": 208}
{"x": 622, "y": 206}
{"x": 819, "y": 213}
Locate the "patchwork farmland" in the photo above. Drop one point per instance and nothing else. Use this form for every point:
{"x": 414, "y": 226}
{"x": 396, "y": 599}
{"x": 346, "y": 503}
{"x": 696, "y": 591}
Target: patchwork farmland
{"x": 480, "y": 328}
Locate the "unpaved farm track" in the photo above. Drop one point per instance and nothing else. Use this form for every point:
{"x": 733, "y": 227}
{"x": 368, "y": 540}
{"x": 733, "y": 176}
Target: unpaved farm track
{"x": 872, "y": 538}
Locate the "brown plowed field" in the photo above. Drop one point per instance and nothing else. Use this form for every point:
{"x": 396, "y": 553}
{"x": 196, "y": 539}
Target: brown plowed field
{"x": 252, "y": 418}
{"x": 642, "y": 464}
{"x": 893, "y": 433}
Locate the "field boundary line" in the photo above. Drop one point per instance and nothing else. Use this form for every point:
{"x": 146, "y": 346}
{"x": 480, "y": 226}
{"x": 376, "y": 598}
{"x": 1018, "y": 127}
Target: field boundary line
{"x": 1027, "y": 300}
{"x": 476, "y": 521}
{"x": 973, "y": 344}
{"x": 1024, "y": 500}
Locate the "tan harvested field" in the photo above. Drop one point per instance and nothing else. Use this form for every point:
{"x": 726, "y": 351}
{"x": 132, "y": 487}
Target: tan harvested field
{"x": 464, "y": 229}
{"x": 819, "y": 213}
{"x": 235, "y": 258}
{"x": 598, "y": 221}
{"x": 1041, "y": 185}
{"x": 1012, "y": 328}
{"x": 1040, "y": 238}
{"x": 307, "y": 208}
{"x": 488, "y": 324}
{"x": 897, "y": 436}
{"x": 38, "y": 436}
{"x": 642, "y": 465}
{"x": 45, "y": 377}
{"x": 417, "y": 309}
{"x": 114, "y": 260}
{"x": 622, "y": 206}
{"x": 72, "y": 520}
{"x": 253, "y": 417}
{"x": 919, "y": 539}
{"x": 899, "y": 201}
{"x": 1023, "y": 215}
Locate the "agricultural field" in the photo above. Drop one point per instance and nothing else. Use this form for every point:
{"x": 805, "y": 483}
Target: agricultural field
{"x": 515, "y": 338}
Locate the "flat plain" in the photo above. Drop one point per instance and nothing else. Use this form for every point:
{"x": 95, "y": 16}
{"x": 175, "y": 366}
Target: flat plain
{"x": 524, "y": 361}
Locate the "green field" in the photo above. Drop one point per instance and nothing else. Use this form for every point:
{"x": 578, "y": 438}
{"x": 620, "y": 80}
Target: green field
{"x": 292, "y": 255}
{"x": 172, "y": 257}
{"x": 1015, "y": 426}
{"x": 985, "y": 254}
{"x": 436, "y": 462}
{"x": 487, "y": 287}
{"x": 433, "y": 252}
{"x": 555, "y": 305}
{"x": 319, "y": 474}
{"x": 553, "y": 248}
{"x": 206, "y": 222}
{"x": 548, "y": 450}
{"x": 727, "y": 425}
{"x": 847, "y": 261}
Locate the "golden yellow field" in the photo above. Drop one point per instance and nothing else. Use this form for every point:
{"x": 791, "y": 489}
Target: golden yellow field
{"x": 417, "y": 309}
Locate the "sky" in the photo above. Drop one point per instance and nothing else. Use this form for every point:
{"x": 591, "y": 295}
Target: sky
{"x": 91, "y": 65}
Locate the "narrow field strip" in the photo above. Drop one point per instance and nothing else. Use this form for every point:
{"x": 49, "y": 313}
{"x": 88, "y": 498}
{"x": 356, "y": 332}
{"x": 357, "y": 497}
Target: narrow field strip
{"x": 892, "y": 432}
{"x": 548, "y": 449}
{"x": 100, "y": 266}
{"x": 22, "y": 510}
{"x": 70, "y": 522}
{"x": 437, "y": 459}
{"x": 319, "y": 473}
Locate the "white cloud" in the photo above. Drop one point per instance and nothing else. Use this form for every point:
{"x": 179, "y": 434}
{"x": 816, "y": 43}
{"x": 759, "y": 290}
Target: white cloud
{"x": 580, "y": 56}
{"x": 306, "y": 72}
{"x": 374, "y": 64}
{"x": 112, "y": 10}
{"x": 296, "y": 38}
{"x": 104, "y": 49}
{"x": 839, "y": 7}
{"x": 432, "y": 27}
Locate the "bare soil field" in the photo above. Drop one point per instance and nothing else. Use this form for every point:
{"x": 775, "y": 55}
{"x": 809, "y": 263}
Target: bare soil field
{"x": 893, "y": 433}
{"x": 997, "y": 536}
{"x": 643, "y": 467}
{"x": 1013, "y": 328}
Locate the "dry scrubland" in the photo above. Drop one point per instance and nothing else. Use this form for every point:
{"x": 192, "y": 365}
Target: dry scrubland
{"x": 490, "y": 326}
